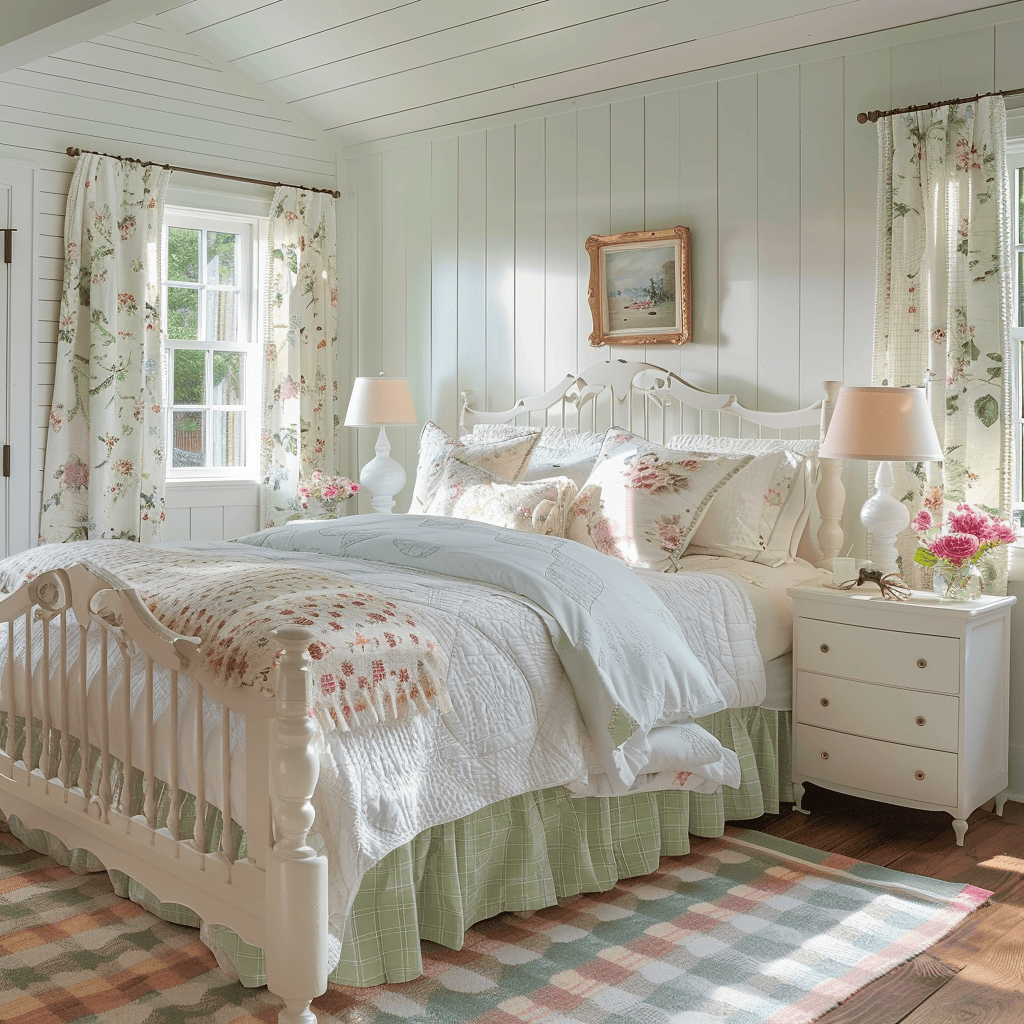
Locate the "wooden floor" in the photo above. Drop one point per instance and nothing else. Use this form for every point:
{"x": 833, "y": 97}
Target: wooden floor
{"x": 976, "y": 974}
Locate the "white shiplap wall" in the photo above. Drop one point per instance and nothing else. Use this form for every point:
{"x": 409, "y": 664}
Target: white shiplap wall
{"x": 140, "y": 92}
{"x": 469, "y": 242}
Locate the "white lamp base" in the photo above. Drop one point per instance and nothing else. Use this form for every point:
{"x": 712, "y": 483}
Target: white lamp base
{"x": 885, "y": 517}
{"x": 382, "y": 476}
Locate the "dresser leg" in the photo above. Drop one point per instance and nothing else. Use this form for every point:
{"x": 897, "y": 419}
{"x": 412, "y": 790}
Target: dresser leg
{"x": 999, "y": 801}
{"x": 798, "y": 795}
{"x": 960, "y": 828}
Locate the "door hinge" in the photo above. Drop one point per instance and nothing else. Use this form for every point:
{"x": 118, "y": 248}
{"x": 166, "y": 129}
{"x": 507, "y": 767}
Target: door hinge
{"x": 8, "y": 234}
{"x": 7, "y": 460}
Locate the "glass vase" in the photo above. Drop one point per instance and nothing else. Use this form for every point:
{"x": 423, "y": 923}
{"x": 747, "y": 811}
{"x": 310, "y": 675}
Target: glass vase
{"x": 957, "y": 582}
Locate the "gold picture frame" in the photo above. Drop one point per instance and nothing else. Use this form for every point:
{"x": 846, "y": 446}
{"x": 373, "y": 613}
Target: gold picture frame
{"x": 637, "y": 275}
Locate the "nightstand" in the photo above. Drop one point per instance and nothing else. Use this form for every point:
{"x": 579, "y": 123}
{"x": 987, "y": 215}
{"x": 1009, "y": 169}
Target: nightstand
{"x": 904, "y": 702}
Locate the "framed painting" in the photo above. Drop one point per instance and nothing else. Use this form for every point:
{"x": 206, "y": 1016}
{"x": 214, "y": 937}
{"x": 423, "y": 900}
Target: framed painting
{"x": 640, "y": 287}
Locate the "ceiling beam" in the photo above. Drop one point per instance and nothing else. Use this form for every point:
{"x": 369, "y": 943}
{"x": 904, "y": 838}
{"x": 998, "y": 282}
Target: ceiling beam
{"x": 33, "y": 29}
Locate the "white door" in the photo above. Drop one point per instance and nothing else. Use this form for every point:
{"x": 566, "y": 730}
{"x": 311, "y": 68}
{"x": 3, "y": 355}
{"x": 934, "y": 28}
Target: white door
{"x": 16, "y": 349}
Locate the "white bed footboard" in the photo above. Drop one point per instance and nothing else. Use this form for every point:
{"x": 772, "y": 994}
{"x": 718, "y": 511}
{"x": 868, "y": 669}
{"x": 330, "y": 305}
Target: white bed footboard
{"x": 98, "y": 707}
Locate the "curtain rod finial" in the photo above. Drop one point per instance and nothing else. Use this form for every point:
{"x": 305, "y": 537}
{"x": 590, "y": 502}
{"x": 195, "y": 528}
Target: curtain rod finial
{"x": 862, "y": 118}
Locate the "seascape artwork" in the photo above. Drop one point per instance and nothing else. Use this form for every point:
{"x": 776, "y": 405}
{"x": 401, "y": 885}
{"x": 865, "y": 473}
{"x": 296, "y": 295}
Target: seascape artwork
{"x": 640, "y": 288}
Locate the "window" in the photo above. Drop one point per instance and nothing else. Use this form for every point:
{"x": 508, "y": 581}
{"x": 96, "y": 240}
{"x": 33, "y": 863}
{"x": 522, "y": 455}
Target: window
{"x": 211, "y": 313}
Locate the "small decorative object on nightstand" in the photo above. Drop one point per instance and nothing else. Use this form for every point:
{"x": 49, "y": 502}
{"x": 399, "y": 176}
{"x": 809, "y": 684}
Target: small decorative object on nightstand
{"x": 381, "y": 402}
{"x": 906, "y": 703}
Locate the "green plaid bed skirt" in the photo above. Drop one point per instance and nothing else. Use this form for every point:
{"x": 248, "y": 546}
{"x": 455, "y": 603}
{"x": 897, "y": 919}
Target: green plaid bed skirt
{"x": 520, "y": 854}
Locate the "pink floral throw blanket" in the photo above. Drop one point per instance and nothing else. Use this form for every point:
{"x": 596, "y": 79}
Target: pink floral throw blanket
{"x": 372, "y": 660}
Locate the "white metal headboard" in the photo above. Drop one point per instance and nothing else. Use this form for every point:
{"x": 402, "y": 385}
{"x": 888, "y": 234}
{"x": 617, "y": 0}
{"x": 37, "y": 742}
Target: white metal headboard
{"x": 657, "y": 403}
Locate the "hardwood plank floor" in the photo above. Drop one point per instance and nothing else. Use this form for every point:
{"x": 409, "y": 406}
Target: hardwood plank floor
{"x": 984, "y": 980}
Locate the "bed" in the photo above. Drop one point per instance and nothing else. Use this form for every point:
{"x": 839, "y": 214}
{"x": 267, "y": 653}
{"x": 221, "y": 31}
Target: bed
{"x": 236, "y": 750}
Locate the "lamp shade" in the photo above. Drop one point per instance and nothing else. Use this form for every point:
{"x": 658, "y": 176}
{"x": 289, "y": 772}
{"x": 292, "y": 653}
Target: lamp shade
{"x": 380, "y": 402}
{"x": 883, "y": 425}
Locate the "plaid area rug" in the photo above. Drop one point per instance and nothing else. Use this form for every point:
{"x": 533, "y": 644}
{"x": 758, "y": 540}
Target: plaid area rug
{"x": 748, "y": 929}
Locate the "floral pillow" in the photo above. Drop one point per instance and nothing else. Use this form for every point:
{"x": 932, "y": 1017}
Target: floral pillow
{"x": 742, "y": 519}
{"x": 470, "y": 492}
{"x": 505, "y": 458}
{"x": 782, "y": 525}
{"x": 643, "y": 502}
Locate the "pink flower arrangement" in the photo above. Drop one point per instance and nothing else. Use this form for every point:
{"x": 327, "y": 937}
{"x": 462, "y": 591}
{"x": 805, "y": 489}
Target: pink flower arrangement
{"x": 329, "y": 491}
{"x": 965, "y": 538}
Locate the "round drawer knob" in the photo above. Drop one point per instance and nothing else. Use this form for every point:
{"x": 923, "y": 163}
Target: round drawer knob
{"x": 824, "y": 755}
{"x": 824, "y": 648}
{"x": 824, "y": 702}
{"x": 919, "y": 776}
{"x": 921, "y": 663}
{"x": 919, "y": 720}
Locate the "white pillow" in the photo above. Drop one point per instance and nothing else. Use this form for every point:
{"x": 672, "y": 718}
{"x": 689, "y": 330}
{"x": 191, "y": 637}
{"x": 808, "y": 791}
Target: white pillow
{"x": 561, "y": 451}
{"x": 795, "y": 481}
{"x": 504, "y": 458}
{"x": 470, "y": 492}
{"x": 642, "y": 502}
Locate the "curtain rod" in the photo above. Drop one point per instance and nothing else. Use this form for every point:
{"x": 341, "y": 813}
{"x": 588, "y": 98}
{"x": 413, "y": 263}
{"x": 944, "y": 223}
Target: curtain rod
{"x": 874, "y": 115}
{"x": 75, "y": 151}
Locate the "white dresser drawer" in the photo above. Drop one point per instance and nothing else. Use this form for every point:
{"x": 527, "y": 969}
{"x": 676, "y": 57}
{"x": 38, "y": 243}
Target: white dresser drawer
{"x": 879, "y": 712}
{"x": 912, "y": 660}
{"x": 910, "y": 773}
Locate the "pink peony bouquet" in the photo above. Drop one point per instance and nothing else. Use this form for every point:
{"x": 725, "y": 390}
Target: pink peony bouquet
{"x": 329, "y": 491}
{"x": 954, "y": 548}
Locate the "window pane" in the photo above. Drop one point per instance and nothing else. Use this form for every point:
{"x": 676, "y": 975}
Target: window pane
{"x": 189, "y": 446}
{"x": 182, "y": 314}
{"x": 182, "y": 254}
{"x": 227, "y": 440}
{"x": 228, "y": 378}
{"x": 221, "y": 257}
{"x": 189, "y": 377}
{"x": 221, "y": 316}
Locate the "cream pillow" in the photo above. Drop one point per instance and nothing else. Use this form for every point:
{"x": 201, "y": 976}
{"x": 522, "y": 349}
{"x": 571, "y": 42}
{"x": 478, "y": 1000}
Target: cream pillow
{"x": 470, "y": 492}
{"x": 505, "y": 458}
{"x": 643, "y": 502}
{"x": 561, "y": 451}
{"x": 795, "y": 481}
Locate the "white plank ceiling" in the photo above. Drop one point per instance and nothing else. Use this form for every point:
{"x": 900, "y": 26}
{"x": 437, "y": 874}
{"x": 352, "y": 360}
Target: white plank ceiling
{"x": 365, "y": 70}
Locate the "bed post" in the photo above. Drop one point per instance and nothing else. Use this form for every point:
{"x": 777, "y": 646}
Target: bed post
{"x": 831, "y": 492}
{"x": 296, "y": 939}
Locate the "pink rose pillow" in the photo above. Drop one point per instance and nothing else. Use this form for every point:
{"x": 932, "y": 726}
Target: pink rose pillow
{"x": 643, "y": 502}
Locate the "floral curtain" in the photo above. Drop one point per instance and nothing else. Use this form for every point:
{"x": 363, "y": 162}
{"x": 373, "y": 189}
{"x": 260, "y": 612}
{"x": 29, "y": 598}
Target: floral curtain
{"x": 943, "y": 304}
{"x": 104, "y": 467}
{"x": 301, "y": 399}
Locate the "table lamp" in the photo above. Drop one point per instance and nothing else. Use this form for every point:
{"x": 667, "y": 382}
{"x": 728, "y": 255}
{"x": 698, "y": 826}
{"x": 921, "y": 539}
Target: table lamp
{"x": 885, "y": 425}
{"x": 381, "y": 402}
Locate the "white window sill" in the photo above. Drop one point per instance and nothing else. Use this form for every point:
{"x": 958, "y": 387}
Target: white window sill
{"x": 211, "y": 491}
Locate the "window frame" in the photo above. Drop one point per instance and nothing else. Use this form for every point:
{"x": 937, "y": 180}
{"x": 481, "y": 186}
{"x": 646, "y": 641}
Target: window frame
{"x": 254, "y": 230}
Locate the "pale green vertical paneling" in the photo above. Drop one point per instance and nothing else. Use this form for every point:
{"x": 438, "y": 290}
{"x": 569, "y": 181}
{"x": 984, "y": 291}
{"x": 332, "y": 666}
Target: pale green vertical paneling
{"x": 737, "y": 240}
{"x": 822, "y": 177}
{"x": 444, "y": 285}
{"x": 916, "y": 73}
{"x": 1009, "y": 56}
{"x": 417, "y": 277}
{"x": 866, "y": 87}
{"x": 968, "y": 63}
{"x": 778, "y": 238}
{"x": 593, "y": 206}
{"x": 472, "y": 365}
{"x": 394, "y": 237}
{"x": 698, "y": 202}
{"x": 530, "y": 264}
{"x": 369, "y": 342}
{"x": 560, "y": 246}
{"x": 499, "y": 392}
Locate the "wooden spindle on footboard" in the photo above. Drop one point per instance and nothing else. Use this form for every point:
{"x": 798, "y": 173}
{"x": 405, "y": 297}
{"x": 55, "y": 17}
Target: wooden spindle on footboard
{"x": 199, "y": 833}
{"x": 11, "y": 671}
{"x": 174, "y": 807}
{"x": 82, "y": 777}
{"x": 28, "y": 746}
{"x": 296, "y": 946}
{"x": 64, "y": 770}
{"x": 149, "y": 781}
